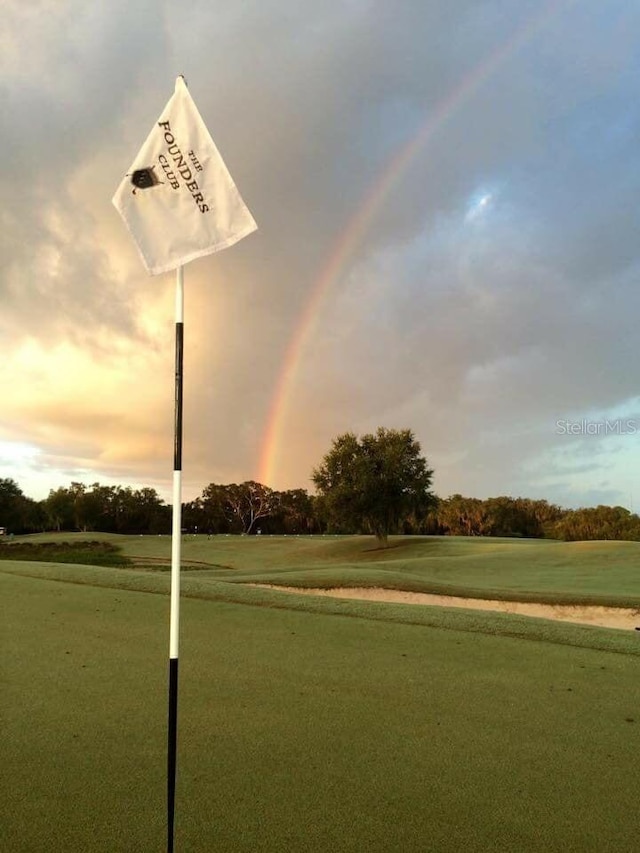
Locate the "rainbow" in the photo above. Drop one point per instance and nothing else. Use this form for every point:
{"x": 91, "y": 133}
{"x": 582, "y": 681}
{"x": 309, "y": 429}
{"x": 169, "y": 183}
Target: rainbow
{"x": 360, "y": 223}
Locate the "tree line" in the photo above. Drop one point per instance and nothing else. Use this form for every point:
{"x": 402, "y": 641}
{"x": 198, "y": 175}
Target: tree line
{"x": 507, "y": 516}
{"x": 248, "y": 507}
{"x": 376, "y": 484}
{"x": 252, "y": 508}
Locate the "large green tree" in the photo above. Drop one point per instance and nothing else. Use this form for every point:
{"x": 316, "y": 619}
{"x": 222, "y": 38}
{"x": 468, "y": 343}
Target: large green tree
{"x": 374, "y": 483}
{"x": 17, "y": 512}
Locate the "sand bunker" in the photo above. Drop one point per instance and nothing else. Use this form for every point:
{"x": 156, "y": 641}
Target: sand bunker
{"x": 603, "y": 617}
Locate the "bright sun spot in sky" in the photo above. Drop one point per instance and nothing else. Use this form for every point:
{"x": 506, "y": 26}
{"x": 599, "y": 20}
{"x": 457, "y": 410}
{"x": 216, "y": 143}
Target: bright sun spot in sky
{"x": 479, "y": 204}
{"x": 15, "y": 451}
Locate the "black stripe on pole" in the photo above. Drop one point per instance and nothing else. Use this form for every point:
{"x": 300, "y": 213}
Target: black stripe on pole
{"x": 171, "y": 752}
{"x": 177, "y": 448}
{"x": 173, "y": 661}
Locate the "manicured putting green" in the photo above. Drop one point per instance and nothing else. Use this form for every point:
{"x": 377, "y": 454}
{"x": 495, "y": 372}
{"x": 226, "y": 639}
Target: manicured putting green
{"x": 303, "y": 730}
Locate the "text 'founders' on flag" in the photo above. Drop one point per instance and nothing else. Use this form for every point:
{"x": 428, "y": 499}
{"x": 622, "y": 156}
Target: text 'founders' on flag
{"x": 178, "y": 199}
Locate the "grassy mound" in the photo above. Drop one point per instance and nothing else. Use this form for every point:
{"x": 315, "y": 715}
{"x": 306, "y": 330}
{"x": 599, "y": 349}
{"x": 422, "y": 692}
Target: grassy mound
{"x": 85, "y": 552}
{"x": 510, "y": 569}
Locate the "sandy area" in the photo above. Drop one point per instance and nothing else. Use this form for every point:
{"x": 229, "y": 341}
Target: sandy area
{"x": 605, "y": 617}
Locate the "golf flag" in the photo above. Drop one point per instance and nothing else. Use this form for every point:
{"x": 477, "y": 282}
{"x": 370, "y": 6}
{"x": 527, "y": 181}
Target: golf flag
{"x": 178, "y": 199}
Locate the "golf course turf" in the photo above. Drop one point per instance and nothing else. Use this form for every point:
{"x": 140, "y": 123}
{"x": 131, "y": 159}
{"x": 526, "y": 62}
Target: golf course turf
{"x": 310, "y": 724}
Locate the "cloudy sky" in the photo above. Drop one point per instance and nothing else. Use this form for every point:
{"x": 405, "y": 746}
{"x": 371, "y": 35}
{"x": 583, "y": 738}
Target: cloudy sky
{"x": 447, "y": 194}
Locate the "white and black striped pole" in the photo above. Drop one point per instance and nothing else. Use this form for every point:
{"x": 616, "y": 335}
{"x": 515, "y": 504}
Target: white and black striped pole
{"x": 176, "y": 541}
{"x": 192, "y": 197}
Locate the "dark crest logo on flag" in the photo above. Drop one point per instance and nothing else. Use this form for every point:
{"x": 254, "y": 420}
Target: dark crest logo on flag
{"x": 142, "y": 179}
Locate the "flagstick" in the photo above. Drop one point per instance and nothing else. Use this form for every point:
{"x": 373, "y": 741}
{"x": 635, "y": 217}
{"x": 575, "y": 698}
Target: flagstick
{"x": 176, "y": 538}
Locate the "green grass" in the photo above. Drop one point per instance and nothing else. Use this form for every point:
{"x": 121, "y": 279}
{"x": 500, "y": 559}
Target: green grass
{"x": 337, "y": 726}
{"x": 310, "y": 723}
{"x": 93, "y": 552}
{"x": 519, "y": 569}
{"x": 542, "y": 570}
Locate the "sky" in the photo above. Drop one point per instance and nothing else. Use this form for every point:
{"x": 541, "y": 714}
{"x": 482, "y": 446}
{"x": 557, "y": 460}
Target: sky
{"x": 447, "y": 202}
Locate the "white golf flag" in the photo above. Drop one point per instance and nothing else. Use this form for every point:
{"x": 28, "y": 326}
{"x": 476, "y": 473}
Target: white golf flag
{"x": 178, "y": 199}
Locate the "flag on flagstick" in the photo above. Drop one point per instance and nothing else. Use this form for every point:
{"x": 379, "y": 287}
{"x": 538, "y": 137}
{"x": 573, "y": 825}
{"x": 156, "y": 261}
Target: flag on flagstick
{"x": 179, "y": 203}
{"x": 178, "y": 199}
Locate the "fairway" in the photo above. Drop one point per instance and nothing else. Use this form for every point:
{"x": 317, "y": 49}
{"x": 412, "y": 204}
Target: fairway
{"x": 313, "y": 725}
{"x": 519, "y": 569}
